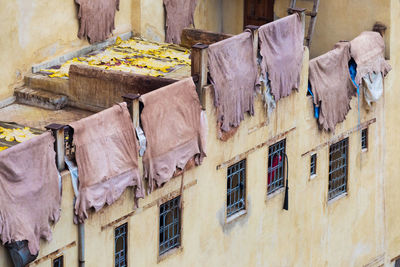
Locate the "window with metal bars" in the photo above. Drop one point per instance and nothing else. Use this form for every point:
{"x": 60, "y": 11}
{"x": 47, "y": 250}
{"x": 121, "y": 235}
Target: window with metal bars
{"x": 170, "y": 225}
{"x": 313, "y": 164}
{"x": 59, "y": 261}
{"x": 364, "y": 138}
{"x": 276, "y": 166}
{"x": 236, "y": 188}
{"x": 121, "y": 245}
{"x": 338, "y": 162}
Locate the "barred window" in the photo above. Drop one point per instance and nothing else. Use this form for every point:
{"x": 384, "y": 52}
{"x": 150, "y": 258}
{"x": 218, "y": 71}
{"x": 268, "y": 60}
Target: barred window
{"x": 59, "y": 261}
{"x": 338, "y": 161}
{"x": 276, "y": 166}
{"x": 364, "y": 138}
{"x": 170, "y": 225}
{"x": 121, "y": 248}
{"x": 313, "y": 164}
{"x": 236, "y": 188}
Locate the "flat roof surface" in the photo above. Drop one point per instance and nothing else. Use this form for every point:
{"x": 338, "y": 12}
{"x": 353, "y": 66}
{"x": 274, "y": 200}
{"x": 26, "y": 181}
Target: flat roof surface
{"x": 35, "y": 117}
{"x": 135, "y": 56}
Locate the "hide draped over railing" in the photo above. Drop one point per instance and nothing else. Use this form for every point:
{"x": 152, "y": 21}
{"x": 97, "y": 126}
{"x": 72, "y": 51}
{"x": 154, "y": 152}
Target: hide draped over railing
{"x": 106, "y": 152}
{"x": 175, "y": 129}
{"x": 30, "y": 196}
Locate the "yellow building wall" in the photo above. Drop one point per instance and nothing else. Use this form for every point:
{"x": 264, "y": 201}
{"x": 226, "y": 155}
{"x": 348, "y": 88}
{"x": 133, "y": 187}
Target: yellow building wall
{"x": 349, "y": 231}
{"x": 358, "y": 229}
{"x": 211, "y": 15}
{"x": 33, "y": 31}
{"x": 391, "y": 140}
{"x": 341, "y": 20}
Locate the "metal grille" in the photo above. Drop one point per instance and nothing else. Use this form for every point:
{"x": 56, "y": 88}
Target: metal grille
{"x": 364, "y": 138}
{"x": 338, "y": 168}
{"x": 170, "y": 225}
{"x": 276, "y": 166}
{"x": 59, "y": 262}
{"x": 236, "y": 187}
{"x": 313, "y": 164}
{"x": 121, "y": 245}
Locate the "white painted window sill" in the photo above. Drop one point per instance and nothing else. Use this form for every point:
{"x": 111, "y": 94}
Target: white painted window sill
{"x": 236, "y": 216}
{"x": 277, "y": 192}
{"x": 333, "y": 200}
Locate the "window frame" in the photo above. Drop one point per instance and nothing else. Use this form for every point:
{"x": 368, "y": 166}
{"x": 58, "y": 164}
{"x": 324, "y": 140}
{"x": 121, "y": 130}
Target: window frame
{"x": 126, "y": 242}
{"x": 240, "y": 211}
{"x": 364, "y": 139}
{"x": 281, "y": 169}
{"x": 57, "y": 258}
{"x": 313, "y": 165}
{"x": 332, "y": 180}
{"x": 165, "y": 253}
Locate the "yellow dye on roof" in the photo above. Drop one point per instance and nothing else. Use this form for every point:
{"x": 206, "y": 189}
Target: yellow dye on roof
{"x": 134, "y": 55}
{"x": 19, "y": 135}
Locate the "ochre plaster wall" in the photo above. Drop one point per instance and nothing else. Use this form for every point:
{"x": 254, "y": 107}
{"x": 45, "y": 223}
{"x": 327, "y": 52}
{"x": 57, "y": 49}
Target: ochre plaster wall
{"x": 391, "y": 140}
{"x": 341, "y": 20}
{"x": 358, "y": 229}
{"x": 349, "y": 231}
{"x": 212, "y": 15}
{"x": 33, "y": 31}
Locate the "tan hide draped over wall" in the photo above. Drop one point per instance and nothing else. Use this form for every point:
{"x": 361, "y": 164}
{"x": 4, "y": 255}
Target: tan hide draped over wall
{"x": 107, "y": 158}
{"x": 29, "y": 191}
{"x": 175, "y": 128}
{"x": 368, "y": 50}
{"x": 96, "y": 19}
{"x": 281, "y": 48}
{"x": 179, "y": 15}
{"x": 331, "y": 85}
{"x": 233, "y": 70}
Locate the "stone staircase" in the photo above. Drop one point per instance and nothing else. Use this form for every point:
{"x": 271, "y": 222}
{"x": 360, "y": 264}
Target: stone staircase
{"x": 42, "y": 91}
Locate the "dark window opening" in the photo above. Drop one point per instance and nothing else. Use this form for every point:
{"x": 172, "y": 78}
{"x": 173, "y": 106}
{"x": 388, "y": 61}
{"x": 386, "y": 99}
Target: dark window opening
{"x": 59, "y": 261}
{"x": 121, "y": 247}
{"x": 276, "y": 166}
{"x": 170, "y": 225}
{"x": 313, "y": 164}
{"x": 258, "y": 12}
{"x": 364, "y": 138}
{"x": 338, "y": 162}
{"x": 236, "y": 188}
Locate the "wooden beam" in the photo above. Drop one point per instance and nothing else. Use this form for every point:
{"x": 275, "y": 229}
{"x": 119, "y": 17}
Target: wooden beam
{"x": 58, "y": 133}
{"x": 132, "y": 102}
{"x": 191, "y": 37}
{"x": 339, "y": 137}
{"x": 200, "y": 69}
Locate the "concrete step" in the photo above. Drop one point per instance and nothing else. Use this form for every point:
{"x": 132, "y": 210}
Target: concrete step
{"x": 43, "y": 82}
{"x": 40, "y": 98}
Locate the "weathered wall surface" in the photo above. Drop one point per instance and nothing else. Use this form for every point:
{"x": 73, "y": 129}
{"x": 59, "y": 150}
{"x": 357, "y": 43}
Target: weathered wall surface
{"x": 391, "y": 140}
{"x": 33, "y": 31}
{"x": 341, "y": 20}
{"x": 357, "y": 229}
{"x": 212, "y": 15}
{"x": 349, "y": 231}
